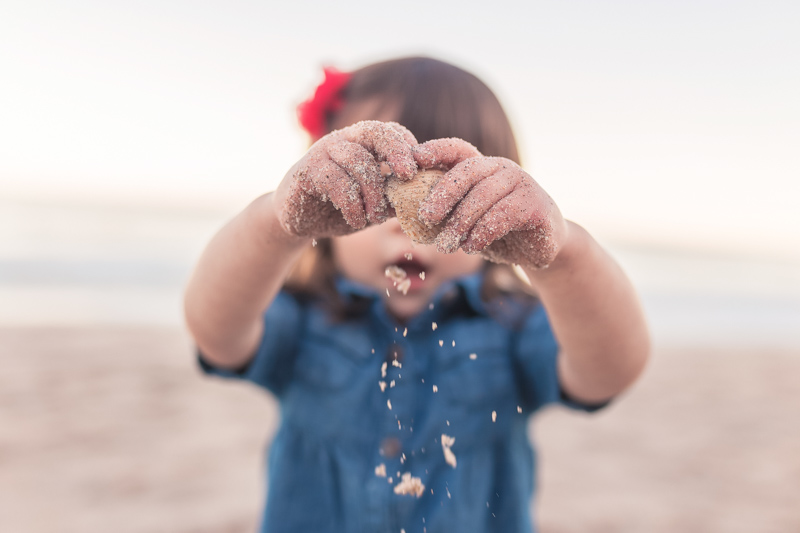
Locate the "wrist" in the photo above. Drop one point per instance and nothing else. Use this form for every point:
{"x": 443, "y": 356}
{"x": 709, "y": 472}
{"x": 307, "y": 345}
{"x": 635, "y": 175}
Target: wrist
{"x": 573, "y": 244}
{"x": 265, "y": 215}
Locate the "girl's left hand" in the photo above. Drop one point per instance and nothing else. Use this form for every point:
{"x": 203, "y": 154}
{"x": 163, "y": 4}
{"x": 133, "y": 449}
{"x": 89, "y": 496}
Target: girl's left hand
{"x": 490, "y": 205}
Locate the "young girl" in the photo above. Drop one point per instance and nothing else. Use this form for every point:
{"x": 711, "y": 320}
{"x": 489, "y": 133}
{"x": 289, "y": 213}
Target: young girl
{"x": 408, "y": 411}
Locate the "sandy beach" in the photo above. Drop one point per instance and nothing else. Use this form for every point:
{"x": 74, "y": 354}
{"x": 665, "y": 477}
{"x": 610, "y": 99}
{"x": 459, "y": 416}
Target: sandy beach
{"x": 106, "y": 424}
{"x": 114, "y": 429}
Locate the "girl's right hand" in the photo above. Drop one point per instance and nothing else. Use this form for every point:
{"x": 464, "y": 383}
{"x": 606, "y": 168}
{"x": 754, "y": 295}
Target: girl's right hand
{"x": 337, "y": 187}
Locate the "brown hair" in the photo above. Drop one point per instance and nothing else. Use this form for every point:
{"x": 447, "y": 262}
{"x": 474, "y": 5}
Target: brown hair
{"x": 434, "y": 100}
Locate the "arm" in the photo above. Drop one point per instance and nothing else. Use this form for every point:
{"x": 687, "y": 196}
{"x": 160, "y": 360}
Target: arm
{"x": 236, "y": 278}
{"x": 335, "y": 189}
{"x": 596, "y": 317}
{"x": 493, "y": 207}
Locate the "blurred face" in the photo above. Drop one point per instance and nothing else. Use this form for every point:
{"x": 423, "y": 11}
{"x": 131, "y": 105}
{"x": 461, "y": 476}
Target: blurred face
{"x": 365, "y": 255}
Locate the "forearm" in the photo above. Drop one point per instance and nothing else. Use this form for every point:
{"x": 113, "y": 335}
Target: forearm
{"x": 596, "y": 317}
{"x": 236, "y": 278}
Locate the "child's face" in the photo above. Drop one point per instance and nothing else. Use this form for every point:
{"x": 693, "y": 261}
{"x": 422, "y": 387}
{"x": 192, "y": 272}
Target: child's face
{"x": 363, "y": 257}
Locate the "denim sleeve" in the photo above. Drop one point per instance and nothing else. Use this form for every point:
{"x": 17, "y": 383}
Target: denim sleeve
{"x": 272, "y": 365}
{"x": 536, "y": 354}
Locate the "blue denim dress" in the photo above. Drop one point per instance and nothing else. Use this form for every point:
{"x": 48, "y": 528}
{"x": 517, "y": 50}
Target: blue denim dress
{"x": 367, "y": 395}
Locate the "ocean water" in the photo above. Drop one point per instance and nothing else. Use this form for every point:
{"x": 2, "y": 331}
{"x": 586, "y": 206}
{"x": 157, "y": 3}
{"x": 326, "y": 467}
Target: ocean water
{"x": 89, "y": 265}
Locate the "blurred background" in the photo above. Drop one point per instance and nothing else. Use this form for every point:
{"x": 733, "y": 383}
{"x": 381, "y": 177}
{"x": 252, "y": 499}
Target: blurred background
{"x": 130, "y": 132}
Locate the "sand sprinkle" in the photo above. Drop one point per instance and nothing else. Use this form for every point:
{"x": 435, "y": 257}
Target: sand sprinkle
{"x": 409, "y": 485}
{"x": 449, "y": 456}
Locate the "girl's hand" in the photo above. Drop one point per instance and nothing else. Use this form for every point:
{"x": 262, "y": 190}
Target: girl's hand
{"x": 489, "y": 205}
{"x": 337, "y": 187}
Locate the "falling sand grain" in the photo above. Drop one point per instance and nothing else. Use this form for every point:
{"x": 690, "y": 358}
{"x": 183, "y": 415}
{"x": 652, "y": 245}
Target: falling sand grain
{"x": 449, "y": 456}
{"x": 399, "y": 278}
{"x": 409, "y": 485}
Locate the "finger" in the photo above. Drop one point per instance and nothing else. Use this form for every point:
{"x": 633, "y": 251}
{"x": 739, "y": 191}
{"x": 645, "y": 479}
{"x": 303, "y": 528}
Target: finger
{"x": 444, "y": 153}
{"x": 387, "y": 143}
{"x": 449, "y": 190}
{"x": 361, "y": 165}
{"x": 334, "y": 184}
{"x": 515, "y": 212}
{"x": 478, "y": 201}
{"x": 405, "y": 132}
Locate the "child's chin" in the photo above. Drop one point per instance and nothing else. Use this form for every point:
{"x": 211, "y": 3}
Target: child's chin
{"x": 407, "y": 306}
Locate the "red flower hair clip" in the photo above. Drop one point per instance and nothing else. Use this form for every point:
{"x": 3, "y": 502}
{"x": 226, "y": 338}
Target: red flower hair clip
{"x": 312, "y": 113}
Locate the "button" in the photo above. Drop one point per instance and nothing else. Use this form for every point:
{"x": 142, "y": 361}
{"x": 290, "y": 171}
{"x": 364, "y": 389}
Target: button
{"x": 394, "y": 353}
{"x": 391, "y": 447}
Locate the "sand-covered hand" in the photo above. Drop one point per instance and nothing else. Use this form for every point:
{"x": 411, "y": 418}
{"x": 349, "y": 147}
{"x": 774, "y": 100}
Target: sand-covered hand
{"x": 488, "y": 205}
{"x": 337, "y": 187}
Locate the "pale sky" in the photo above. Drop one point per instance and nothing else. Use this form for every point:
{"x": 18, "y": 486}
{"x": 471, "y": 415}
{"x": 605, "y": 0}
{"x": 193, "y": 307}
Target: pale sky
{"x": 652, "y": 122}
